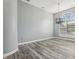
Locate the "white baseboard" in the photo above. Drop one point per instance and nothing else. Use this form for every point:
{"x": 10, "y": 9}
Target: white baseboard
{"x": 10, "y": 53}
{"x": 34, "y": 41}
{"x": 44, "y": 39}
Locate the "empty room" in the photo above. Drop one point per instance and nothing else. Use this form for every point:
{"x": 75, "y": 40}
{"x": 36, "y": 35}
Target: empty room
{"x": 39, "y": 29}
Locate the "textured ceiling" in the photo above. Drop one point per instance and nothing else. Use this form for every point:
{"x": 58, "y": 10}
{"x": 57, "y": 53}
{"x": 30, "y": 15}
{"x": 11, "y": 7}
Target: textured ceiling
{"x": 52, "y": 5}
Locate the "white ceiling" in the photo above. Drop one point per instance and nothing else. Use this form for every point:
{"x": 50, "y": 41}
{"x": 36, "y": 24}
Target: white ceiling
{"x": 52, "y": 5}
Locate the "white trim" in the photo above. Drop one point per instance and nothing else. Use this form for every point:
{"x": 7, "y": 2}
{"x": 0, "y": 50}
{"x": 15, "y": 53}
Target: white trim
{"x": 34, "y": 41}
{"x": 45, "y": 39}
{"x": 10, "y": 53}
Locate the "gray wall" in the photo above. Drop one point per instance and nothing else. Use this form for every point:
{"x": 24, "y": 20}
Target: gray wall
{"x": 33, "y": 23}
{"x": 9, "y": 25}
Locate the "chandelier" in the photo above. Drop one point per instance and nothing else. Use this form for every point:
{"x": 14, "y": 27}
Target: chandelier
{"x": 58, "y": 19}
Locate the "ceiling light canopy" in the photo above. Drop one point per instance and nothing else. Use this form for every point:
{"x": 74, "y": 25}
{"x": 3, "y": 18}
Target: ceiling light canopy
{"x": 28, "y": 0}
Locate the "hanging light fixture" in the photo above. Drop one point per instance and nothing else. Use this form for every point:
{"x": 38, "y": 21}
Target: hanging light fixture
{"x": 58, "y": 19}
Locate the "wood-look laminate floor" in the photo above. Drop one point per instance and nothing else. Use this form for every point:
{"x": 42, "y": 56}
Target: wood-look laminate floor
{"x": 48, "y": 49}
